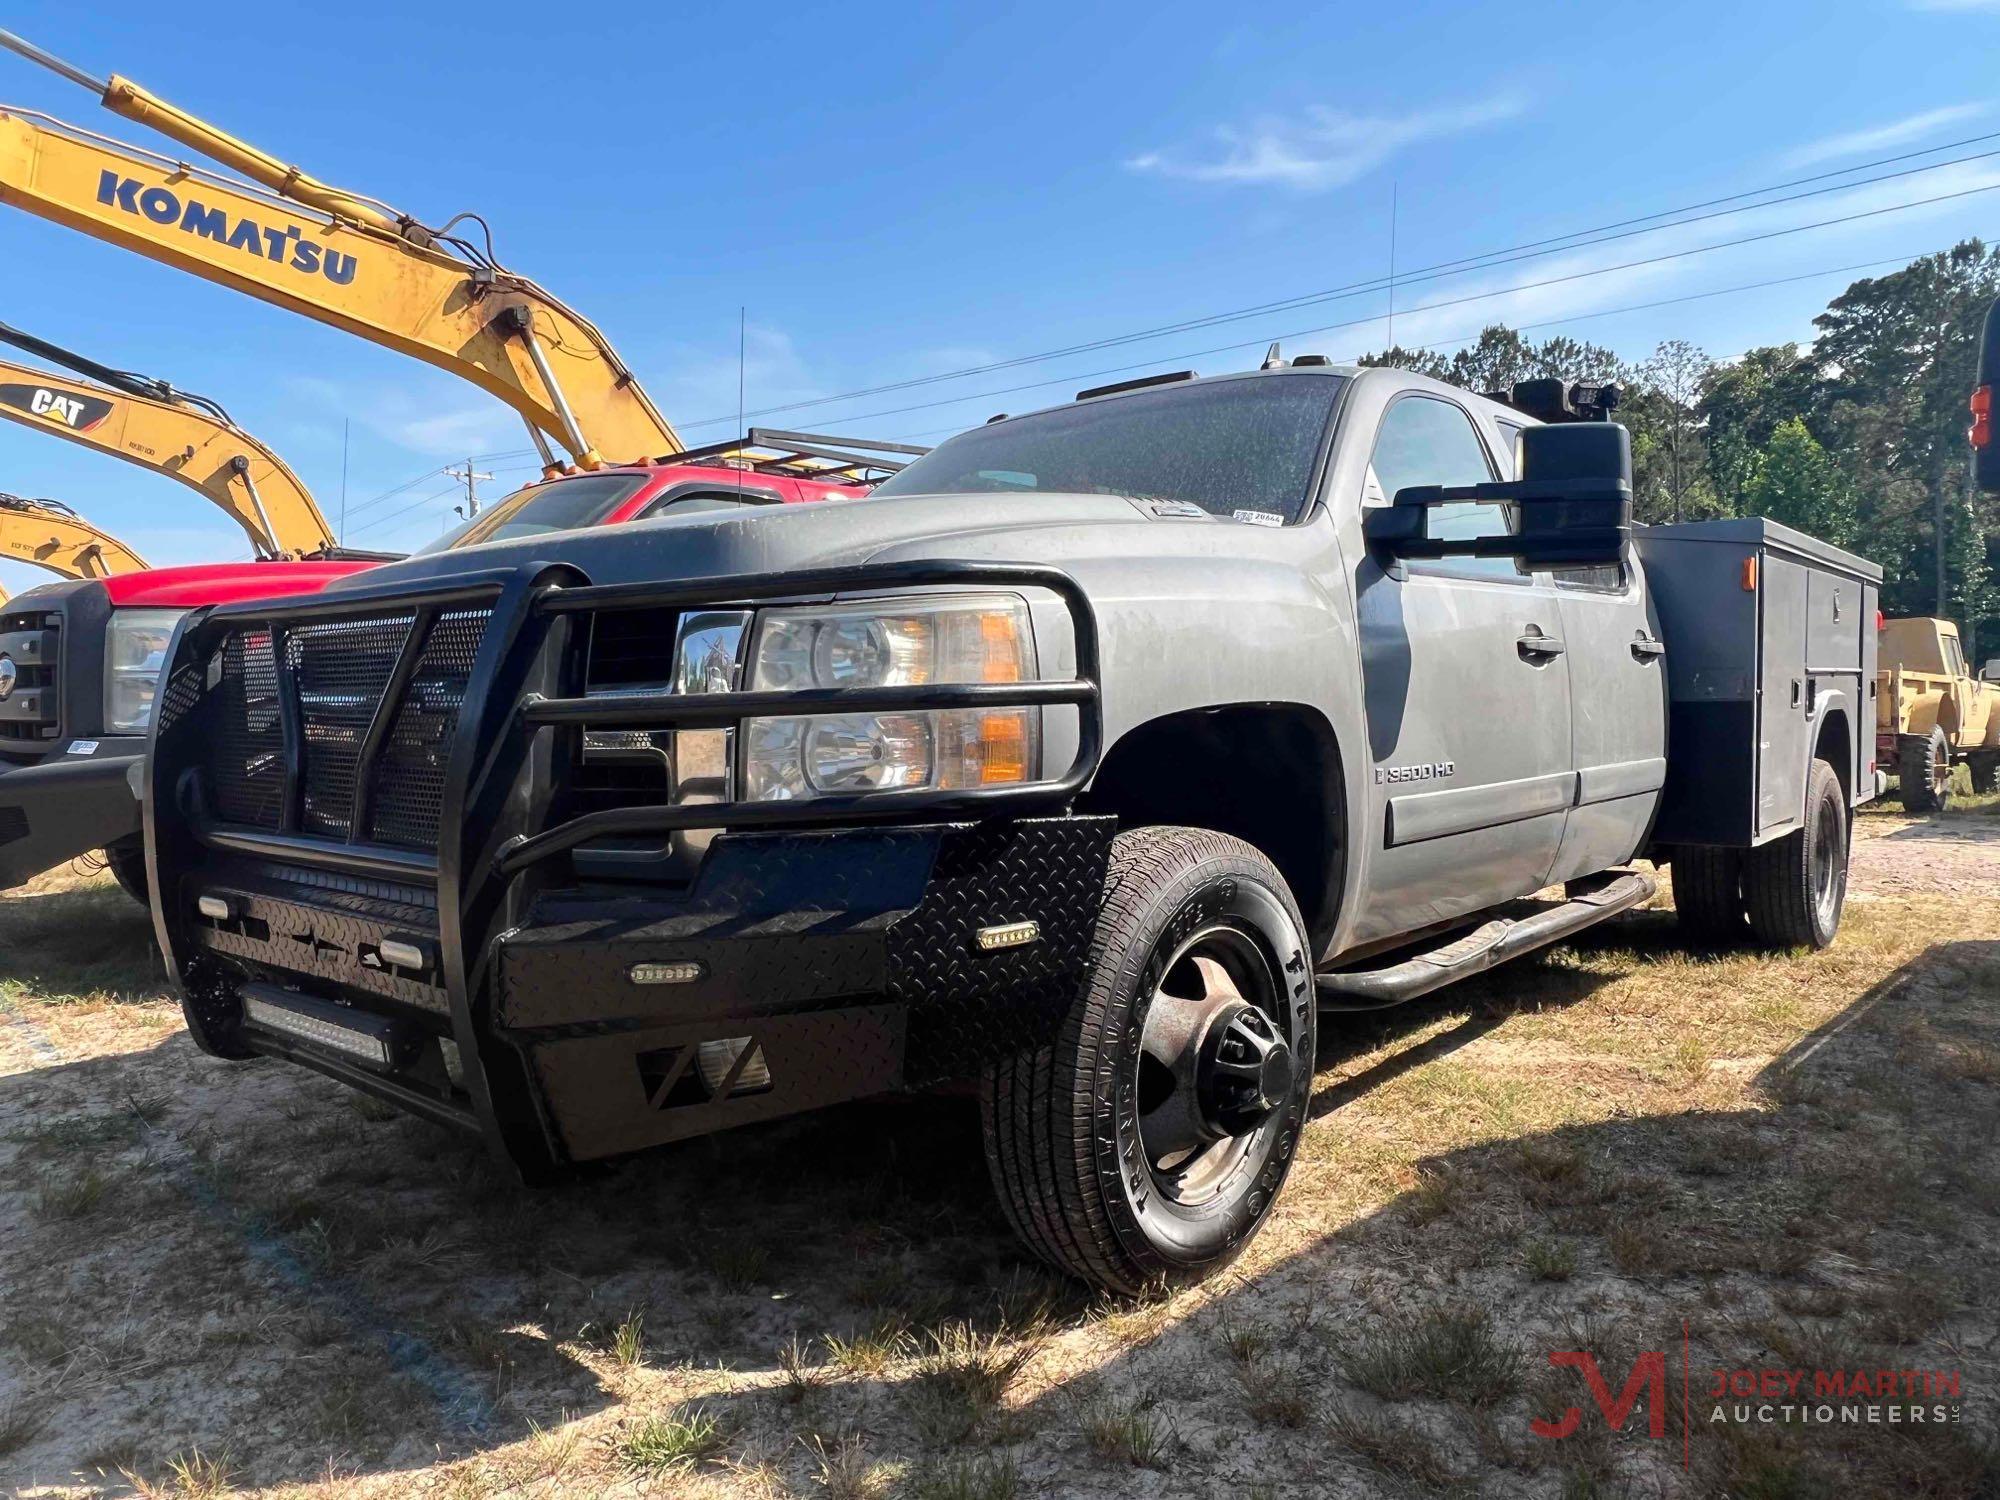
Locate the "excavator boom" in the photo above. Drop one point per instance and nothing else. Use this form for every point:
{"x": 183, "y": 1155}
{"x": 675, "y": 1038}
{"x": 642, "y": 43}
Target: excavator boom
{"x": 343, "y": 259}
{"x": 203, "y": 451}
{"x": 55, "y": 537}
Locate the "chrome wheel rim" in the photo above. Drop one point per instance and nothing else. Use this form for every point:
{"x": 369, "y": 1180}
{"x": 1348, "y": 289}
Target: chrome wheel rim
{"x": 1826, "y": 860}
{"x": 1213, "y": 1064}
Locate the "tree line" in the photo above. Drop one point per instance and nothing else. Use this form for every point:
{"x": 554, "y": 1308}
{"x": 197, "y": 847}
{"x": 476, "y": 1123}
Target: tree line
{"x": 1858, "y": 438}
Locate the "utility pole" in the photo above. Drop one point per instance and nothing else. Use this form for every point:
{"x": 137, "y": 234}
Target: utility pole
{"x": 471, "y": 478}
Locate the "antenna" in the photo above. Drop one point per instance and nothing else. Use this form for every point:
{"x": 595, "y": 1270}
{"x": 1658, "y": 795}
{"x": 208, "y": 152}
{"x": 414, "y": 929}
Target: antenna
{"x": 1394, "y": 188}
{"x": 346, "y": 424}
{"x": 742, "y": 345}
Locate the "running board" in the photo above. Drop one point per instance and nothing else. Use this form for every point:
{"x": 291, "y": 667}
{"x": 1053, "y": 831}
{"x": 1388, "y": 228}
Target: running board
{"x": 1491, "y": 943}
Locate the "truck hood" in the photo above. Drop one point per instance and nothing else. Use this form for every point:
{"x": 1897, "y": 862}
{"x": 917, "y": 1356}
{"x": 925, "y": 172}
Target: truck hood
{"x": 780, "y": 538}
{"x": 197, "y": 584}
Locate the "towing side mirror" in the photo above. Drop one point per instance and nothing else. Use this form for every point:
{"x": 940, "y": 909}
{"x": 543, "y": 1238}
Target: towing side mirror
{"x": 1573, "y": 500}
{"x": 1985, "y": 450}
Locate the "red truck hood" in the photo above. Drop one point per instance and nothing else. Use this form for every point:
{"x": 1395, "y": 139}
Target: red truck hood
{"x": 223, "y": 583}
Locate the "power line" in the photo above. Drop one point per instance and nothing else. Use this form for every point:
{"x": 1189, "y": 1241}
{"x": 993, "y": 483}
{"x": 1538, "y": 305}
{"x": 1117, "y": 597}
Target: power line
{"x": 1532, "y": 249}
{"x": 397, "y": 515}
{"x": 1559, "y": 322}
{"x": 410, "y": 484}
{"x": 1466, "y": 300}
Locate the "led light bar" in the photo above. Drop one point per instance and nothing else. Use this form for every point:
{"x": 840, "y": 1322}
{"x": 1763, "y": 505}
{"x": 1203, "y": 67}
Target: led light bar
{"x": 667, "y": 973}
{"x": 374, "y": 1040}
{"x": 1009, "y": 935}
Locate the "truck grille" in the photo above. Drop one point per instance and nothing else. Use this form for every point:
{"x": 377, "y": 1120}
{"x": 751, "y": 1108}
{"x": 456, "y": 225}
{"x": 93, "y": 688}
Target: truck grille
{"x": 32, "y": 641}
{"x": 338, "y": 673}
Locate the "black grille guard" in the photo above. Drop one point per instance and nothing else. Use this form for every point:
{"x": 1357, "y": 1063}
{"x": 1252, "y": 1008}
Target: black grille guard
{"x": 526, "y": 614}
{"x": 518, "y": 738}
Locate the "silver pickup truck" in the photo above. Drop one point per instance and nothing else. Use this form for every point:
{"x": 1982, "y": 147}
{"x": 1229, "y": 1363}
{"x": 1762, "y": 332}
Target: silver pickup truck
{"x": 1094, "y": 760}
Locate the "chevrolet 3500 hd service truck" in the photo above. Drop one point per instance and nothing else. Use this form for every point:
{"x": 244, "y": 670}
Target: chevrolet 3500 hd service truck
{"x": 1098, "y": 758}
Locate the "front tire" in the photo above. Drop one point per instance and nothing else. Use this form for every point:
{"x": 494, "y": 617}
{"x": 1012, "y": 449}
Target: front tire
{"x": 1148, "y": 1141}
{"x": 1797, "y": 885}
{"x": 1924, "y": 768}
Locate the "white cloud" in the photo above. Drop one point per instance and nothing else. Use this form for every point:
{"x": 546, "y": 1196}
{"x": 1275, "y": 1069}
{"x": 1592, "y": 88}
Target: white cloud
{"x": 1320, "y": 148}
{"x": 1883, "y": 137}
{"x": 429, "y": 416}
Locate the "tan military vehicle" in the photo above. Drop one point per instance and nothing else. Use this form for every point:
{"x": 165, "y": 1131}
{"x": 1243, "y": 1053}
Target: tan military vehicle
{"x": 1931, "y": 713}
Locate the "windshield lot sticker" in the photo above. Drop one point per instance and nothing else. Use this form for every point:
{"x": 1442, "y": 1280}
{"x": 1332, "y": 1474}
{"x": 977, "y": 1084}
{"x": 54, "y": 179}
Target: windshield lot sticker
{"x": 1257, "y": 517}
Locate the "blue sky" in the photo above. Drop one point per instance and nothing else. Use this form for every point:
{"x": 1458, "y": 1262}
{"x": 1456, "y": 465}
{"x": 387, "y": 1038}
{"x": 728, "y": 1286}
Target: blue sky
{"x": 919, "y": 190}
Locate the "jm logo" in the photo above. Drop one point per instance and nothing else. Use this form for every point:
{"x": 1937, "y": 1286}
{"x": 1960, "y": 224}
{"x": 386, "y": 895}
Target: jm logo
{"x": 1648, "y": 1377}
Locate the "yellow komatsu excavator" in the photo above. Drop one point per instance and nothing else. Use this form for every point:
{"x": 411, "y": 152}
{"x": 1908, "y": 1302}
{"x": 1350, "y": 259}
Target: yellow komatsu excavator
{"x": 51, "y": 535}
{"x": 183, "y": 436}
{"x": 339, "y": 257}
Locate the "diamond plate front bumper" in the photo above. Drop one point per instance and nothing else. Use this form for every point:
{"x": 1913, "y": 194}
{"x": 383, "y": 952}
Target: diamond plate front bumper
{"x": 849, "y": 960}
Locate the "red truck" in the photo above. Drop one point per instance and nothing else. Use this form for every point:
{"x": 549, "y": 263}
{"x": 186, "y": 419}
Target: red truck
{"x": 80, "y": 660}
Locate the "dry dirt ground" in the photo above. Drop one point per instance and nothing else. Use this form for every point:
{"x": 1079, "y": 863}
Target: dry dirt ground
{"x": 221, "y": 1278}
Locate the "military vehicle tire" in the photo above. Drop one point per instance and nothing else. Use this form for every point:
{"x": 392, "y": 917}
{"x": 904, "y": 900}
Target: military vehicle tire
{"x": 1985, "y": 770}
{"x": 1924, "y": 767}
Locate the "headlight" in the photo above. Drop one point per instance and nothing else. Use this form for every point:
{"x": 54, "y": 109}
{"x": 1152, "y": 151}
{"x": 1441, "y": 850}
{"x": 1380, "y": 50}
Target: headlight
{"x": 958, "y": 639}
{"x": 135, "y": 656}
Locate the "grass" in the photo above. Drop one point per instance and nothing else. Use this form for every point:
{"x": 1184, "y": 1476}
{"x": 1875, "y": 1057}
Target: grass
{"x": 19, "y": 1424}
{"x": 1447, "y": 1353}
{"x": 802, "y": 1375}
{"x": 1128, "y": 1432}
{"x": 628, "y": 1340}
{"x": 963, "y": 1376}
{"x": 843, "y": 1470}
{"x": 872, "y": 1351}
{"x": 71, "y": 1192}
{"x": 984, "y": 1476}
{"x": 656, "y": 1445}
{"x": 1549, "y": 1260}
{"x": 1395, "y": 1448}
{"x": 1536, "y": 1160}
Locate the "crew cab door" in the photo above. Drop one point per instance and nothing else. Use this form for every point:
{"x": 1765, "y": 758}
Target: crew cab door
{"x": 1466, "y": 696}
{"x": 1618, "y": 710}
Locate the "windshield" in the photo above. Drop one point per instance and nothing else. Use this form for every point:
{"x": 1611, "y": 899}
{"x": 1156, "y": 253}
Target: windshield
{"x": 1229, "y": 446}
{"x": 561, "y": 505}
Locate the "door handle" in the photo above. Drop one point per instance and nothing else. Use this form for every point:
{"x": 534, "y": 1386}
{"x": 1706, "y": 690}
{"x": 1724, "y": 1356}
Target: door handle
{"x": 1533, "y": 643}
{"x": 1646, "y": 648}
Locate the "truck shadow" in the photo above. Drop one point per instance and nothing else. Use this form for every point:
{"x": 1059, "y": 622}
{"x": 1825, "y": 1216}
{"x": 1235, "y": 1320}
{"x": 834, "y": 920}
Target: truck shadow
{"x": 1840, "y": 1225}
{"x": 346, "y": 1285}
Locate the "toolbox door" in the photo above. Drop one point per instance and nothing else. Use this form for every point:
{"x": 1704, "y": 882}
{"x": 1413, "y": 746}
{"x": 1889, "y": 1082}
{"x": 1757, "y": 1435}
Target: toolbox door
{"x": 1781, "y": 695}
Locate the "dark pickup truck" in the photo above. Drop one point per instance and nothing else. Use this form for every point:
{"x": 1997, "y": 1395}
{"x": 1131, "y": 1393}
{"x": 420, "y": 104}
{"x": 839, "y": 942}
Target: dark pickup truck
{"x": 1093, "y": 760}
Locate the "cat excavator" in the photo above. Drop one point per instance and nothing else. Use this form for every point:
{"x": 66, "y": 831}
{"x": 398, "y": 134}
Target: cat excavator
{"x": 276, "y": 233}
{"x": 50, "y": 535}
{"x": 186, "y": 437}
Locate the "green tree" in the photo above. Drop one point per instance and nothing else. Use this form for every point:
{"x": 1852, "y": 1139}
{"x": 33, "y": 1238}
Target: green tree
{"x": 1742, "y": 403}
{"x": 1796, "y": 481}
{"x": 1895, "y": 360}
{"x": 1669, "y": 442}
